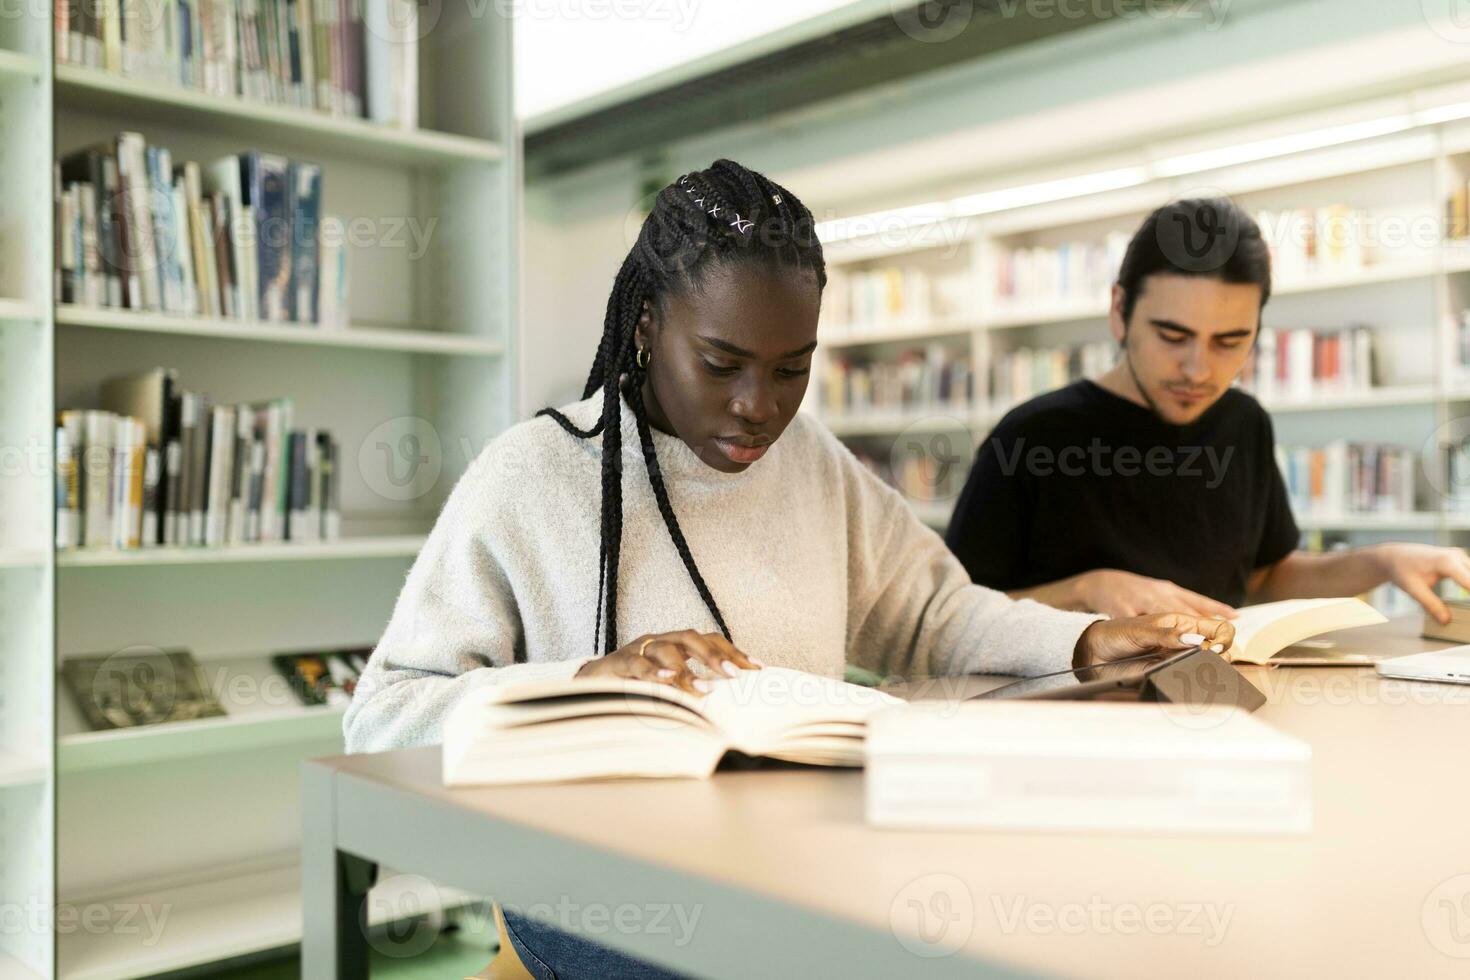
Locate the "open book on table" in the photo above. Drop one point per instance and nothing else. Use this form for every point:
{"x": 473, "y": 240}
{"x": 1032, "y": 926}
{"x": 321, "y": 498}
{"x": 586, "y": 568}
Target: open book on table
{"x": 1263, "y": 631}
{"x": 586, "y": 728}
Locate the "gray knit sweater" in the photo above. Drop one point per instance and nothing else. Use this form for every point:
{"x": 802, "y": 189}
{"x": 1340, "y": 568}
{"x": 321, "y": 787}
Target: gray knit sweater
{"x": 812, "y": 560}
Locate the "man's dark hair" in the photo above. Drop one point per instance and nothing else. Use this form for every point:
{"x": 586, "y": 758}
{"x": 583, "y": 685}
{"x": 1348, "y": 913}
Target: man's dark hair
{"x": 1206, "y": 237}
{"x": 704, "y": 220}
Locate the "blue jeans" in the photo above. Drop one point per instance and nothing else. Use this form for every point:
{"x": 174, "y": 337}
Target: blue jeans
{"x": 549, "y": 953}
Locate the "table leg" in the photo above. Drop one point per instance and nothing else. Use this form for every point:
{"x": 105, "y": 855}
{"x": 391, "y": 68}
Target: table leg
{"x": 334, "y": 885}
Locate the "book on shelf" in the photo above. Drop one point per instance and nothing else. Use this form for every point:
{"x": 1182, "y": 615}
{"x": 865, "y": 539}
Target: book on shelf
{"x": 161, "y": 465}
{"x": 1313, "y": 241}
{"x": 1349, "y": 478}
{"x": 936, "y": 376}
{"x": 589, "y": 728}
{"x": 342, "y": 57}
{"x": 325, "y": 678}
{"x": 138, "y": 687}
{"x": 243, "y": 237}
{"x": 1071, "y": 272}
{"x": 1023, "y": 373}
{"x": 1296, "y": 364}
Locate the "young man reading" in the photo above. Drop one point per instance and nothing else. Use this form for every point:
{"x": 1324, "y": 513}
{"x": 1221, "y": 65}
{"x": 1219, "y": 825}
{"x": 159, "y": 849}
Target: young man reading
{"x": 1156, "y": 487}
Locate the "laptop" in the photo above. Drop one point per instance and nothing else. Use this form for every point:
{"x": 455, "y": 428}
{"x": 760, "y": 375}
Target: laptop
{"x": 1451, "y": 666}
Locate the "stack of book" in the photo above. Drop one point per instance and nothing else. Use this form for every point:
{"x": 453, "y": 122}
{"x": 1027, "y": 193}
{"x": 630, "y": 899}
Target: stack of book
{"x": 1307, "y": 241}
{"x": 875, "y": 297}
{"x": 1072, "y": 272}
{"x": 936, "y": 377}
{"x": 1025, "y": 372}
{"x": 344, "y": 57}
{"x": 243, "y": 238}
{"x": 1298, "y": 364}
{"x": 159, "y": 465}
{"x": 1349, "y": 478}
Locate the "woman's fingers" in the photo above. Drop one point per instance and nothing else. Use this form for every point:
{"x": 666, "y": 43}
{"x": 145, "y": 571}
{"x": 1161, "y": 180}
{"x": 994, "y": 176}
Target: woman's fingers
{"x": 714, "y": 656}
{"x": 732, "y": 653}
{"x": 671, "y": 666}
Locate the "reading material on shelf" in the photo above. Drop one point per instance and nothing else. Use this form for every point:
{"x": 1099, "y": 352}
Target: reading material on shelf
{"x": 1307, "y": 241}
{"x": 588, "y": 728}
{"x": 343, "y": 57}
{"x": 1071, "y": 272}
{"x": 1023, "y": 373}
{"x": 327, "y": 678}
{"x": 858, "y": 299}
{"x": 936, "y": 377}
{"x": 1349, "y": 478}
{"x": 243, "y": 238}
{"x": 1264, "y": 630}
{"x": 131, "y": 688}
{"x": 1297, "y": 364}
{"x": 1073, "y": 765}
{"x": 159, "y": 465}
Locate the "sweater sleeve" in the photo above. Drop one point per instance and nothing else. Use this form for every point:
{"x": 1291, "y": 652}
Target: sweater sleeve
{"x": 454, "y": 628}
{"x": 912, "y": 608}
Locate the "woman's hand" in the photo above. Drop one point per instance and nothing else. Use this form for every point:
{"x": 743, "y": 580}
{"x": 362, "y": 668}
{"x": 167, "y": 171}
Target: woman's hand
{"x": 1164, "y": 633}
{"x": 663, "y": 658}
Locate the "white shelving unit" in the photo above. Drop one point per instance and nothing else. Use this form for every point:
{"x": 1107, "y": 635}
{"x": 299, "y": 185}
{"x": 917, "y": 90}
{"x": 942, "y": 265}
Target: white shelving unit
{"x": 202, "y": 818}
{"x": 27, "y": 685}
{"x": 1409, "y": 291}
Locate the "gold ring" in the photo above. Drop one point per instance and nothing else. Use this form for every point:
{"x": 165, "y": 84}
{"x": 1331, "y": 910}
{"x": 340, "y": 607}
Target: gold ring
{"x": 644, "y": 646}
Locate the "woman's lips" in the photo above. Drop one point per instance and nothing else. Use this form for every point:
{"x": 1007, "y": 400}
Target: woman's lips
{"x": 737, "y": 452}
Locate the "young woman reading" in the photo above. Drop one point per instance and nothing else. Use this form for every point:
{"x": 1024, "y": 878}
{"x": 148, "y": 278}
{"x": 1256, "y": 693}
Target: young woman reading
{"x": 682, "y": 519}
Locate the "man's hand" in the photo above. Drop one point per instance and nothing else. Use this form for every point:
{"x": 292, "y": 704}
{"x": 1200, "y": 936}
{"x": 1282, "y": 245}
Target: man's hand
{"x": 1418, "y": 568}
{"x": 1123, "y": 594}
{"x": 1119, "y": 639}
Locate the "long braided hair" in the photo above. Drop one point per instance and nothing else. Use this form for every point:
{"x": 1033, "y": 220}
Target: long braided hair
{"x": 726, "y": 213}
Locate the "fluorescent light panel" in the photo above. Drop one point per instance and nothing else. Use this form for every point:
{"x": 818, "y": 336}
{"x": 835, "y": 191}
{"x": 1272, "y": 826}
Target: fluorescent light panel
{"x": 1045, "y": 192}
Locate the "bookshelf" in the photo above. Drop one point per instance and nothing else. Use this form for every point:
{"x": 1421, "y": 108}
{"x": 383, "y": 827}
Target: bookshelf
{"x": 1409, "y": 289}
{"x": 203, "y": 817}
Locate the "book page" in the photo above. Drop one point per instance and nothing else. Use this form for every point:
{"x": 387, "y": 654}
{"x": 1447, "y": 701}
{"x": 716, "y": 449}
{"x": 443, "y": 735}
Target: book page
{"x": 757, "y": 709}
{"x": 1263, "y": 630}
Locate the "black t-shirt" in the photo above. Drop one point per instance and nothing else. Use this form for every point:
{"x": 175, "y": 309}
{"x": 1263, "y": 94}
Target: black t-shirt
{"x": 1082, "y": 479}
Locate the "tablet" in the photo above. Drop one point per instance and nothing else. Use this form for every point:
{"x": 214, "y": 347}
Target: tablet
{"x": 1114, "y": 680}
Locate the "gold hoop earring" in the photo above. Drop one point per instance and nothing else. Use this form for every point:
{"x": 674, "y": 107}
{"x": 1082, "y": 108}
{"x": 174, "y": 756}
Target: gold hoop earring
{"x": 642, "y": 358}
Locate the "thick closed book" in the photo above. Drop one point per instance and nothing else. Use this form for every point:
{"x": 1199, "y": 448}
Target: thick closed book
{"x": 1085, "y": 766}
{"x": 595, "y": 727}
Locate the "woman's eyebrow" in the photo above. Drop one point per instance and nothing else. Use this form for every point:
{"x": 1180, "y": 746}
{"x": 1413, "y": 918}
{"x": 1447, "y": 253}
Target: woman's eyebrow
{"x": 742, "y": 352}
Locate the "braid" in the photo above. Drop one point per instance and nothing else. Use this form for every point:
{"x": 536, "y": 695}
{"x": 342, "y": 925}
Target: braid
{"x": 704, "y": 217}
{"x": 661, "y": 494}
